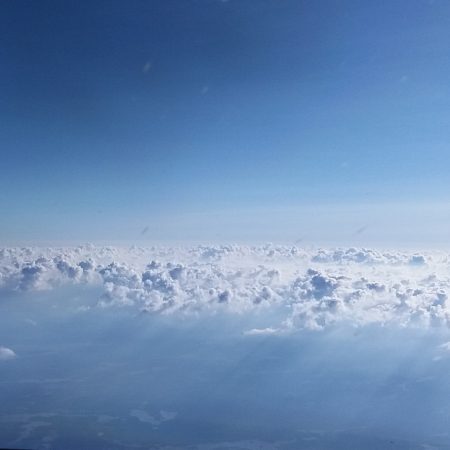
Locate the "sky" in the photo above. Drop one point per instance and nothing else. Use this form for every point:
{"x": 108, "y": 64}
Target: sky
{"x": 196, "y": 120}
{"x": 297, "y": 125}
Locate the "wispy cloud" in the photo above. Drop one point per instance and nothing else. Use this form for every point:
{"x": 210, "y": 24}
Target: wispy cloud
{"x": 6, "y": 354}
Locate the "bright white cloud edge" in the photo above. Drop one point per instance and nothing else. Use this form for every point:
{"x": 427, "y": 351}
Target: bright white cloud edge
{"x": 313, "y": 288}
{"x": 6, "y": 354}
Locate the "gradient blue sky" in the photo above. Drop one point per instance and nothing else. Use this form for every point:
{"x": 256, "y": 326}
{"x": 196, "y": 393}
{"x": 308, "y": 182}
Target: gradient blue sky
{"x": 225, "y": 120}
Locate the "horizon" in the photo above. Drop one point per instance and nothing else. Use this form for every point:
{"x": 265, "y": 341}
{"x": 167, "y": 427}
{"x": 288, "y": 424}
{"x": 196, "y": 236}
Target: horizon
{"x": 225, "y": 225}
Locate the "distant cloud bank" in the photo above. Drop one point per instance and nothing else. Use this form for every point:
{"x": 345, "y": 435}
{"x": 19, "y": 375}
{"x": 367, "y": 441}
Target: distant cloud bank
{"x": 313, "y": 289}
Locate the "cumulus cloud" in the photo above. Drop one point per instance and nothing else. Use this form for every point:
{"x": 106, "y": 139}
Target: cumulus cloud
{"x": 314, "y": 289}
{"x": 6, "y": 354}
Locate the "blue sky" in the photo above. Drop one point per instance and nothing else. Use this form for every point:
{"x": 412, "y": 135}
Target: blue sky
{"x": 231, "y": 120}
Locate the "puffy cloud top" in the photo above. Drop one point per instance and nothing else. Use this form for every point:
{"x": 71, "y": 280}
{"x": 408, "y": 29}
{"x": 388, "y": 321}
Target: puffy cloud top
{"x": 314, "y": 289}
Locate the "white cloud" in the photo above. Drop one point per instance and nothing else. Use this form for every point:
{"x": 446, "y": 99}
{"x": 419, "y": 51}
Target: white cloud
{"x": 313, "y": 289}
{"x": 445, "y": 346}
{"x": 261, "y": 331}
{"x": 6, "y": 354}
{"x": 144, "y": 416}
{"x": 155, "y": 421}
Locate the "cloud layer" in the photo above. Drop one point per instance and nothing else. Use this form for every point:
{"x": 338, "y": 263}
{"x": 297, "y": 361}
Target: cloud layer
{"x": 313, "y": 289}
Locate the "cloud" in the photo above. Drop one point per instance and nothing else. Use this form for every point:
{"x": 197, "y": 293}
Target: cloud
{"x": 6, "y": 354}
{"x": 261, "y": 332}
{"x": 155, "y": 421}
{"x": 313, "y": 289}
{"x": 445, "y": 347}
